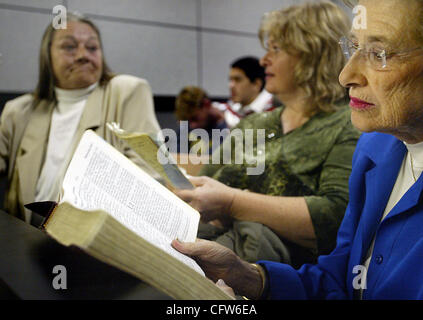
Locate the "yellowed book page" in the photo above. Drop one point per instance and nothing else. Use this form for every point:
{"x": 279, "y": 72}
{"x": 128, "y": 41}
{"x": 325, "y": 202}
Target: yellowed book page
{"x": 100, "y": 178}
{"x": 155, "y": 266}
{"x": 146, "y": 149}
{"x": 102, "y": 236}
{"x": 149, "y": 150}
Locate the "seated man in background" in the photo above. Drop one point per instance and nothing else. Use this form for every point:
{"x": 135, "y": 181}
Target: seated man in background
{"x": 246, "y": 84}
{"x": 198, "y": 117}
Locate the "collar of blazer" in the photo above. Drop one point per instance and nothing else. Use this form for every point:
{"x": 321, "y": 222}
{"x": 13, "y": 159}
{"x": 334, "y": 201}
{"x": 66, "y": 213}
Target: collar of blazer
{"x": 377, "y": 162}
{"x": 30, "y": 156}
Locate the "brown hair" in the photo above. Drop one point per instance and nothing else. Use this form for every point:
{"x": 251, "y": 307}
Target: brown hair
{"x": 312, "y": 31}
{"x": 188, "y": 101}
{"x": 46, "y": 79}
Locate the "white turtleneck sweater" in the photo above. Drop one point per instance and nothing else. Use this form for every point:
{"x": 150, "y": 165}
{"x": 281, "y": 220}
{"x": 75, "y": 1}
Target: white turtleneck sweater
{"x": 412, "y": 164}
{"x": 64, "y": 123}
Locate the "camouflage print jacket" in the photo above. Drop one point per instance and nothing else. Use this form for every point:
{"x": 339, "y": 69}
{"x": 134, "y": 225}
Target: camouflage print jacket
{"x": 313, "y": 161}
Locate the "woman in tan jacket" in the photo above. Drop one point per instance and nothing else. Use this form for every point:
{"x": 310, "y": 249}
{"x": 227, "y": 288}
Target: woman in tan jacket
{"x": 76, "y": 91}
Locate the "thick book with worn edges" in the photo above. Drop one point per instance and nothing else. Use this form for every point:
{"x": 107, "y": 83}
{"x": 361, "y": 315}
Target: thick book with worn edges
{"x": 114, "y": 211}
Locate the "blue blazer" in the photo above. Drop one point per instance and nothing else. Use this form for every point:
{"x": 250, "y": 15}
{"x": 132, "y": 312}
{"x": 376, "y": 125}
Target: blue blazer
{"x": 396, "y": 268}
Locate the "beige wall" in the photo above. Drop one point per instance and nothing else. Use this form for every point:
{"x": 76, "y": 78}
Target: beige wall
{"x": 171, "y": 43}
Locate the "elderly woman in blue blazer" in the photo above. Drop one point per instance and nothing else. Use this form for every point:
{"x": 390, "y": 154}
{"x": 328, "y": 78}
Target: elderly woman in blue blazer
{"x": 379, "y": 252}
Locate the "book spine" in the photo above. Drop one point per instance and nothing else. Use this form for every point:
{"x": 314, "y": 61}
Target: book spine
{"x": 47, "y": 216}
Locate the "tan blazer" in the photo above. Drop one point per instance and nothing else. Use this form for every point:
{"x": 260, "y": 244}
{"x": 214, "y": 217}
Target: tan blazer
{"x": 24, "y": 131}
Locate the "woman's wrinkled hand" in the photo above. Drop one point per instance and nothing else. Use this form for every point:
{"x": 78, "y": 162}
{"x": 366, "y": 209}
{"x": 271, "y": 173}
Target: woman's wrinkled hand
{"x": 216, "y": 260}
{"x": 221, "y": 263}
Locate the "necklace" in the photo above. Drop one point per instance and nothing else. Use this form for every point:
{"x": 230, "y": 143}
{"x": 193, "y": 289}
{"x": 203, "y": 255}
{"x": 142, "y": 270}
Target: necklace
{"x": 412, "y": 167}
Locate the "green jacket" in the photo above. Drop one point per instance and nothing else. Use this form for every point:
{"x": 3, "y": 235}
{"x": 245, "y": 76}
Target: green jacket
{"x": 313, "y": 161}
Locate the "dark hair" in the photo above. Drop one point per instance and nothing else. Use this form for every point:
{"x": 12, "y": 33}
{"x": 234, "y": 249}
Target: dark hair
{"x": 251, "y": 67}
{"x": 46, "y": 79}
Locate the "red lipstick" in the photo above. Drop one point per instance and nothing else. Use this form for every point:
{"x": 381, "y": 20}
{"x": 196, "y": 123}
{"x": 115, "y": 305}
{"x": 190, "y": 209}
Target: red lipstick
{"x": 360, "y": 104}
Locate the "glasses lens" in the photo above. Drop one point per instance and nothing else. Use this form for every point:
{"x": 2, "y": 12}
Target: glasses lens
{"x": 378, "y": 60}
{"x": 347, "y": 47}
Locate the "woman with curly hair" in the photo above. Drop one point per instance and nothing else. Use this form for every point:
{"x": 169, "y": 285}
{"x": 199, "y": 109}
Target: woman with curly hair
{"x": 292, "y": 211}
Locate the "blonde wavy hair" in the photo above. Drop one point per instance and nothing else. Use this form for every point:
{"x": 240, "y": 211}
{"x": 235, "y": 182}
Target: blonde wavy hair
{"x": 312, "y": 32}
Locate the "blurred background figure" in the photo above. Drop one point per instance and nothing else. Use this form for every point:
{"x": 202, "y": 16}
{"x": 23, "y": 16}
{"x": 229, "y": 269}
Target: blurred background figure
{"x": 76, "y": 91}
{"x": 246, "y": 85}
{"x": 194, "y": 106}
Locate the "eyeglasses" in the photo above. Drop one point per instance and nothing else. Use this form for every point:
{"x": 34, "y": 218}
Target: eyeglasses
{"x": 273, "y": 48}
{"x": 377, "y": 58}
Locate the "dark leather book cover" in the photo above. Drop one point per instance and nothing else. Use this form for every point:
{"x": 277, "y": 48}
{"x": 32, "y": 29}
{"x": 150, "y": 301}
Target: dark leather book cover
{"x": 43, "y": 209}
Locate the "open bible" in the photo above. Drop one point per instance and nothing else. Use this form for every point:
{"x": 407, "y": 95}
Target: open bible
{"x": 114, "y": 211}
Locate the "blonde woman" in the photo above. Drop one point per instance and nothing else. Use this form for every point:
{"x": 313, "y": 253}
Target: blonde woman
{"x": 292, "y": 211}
